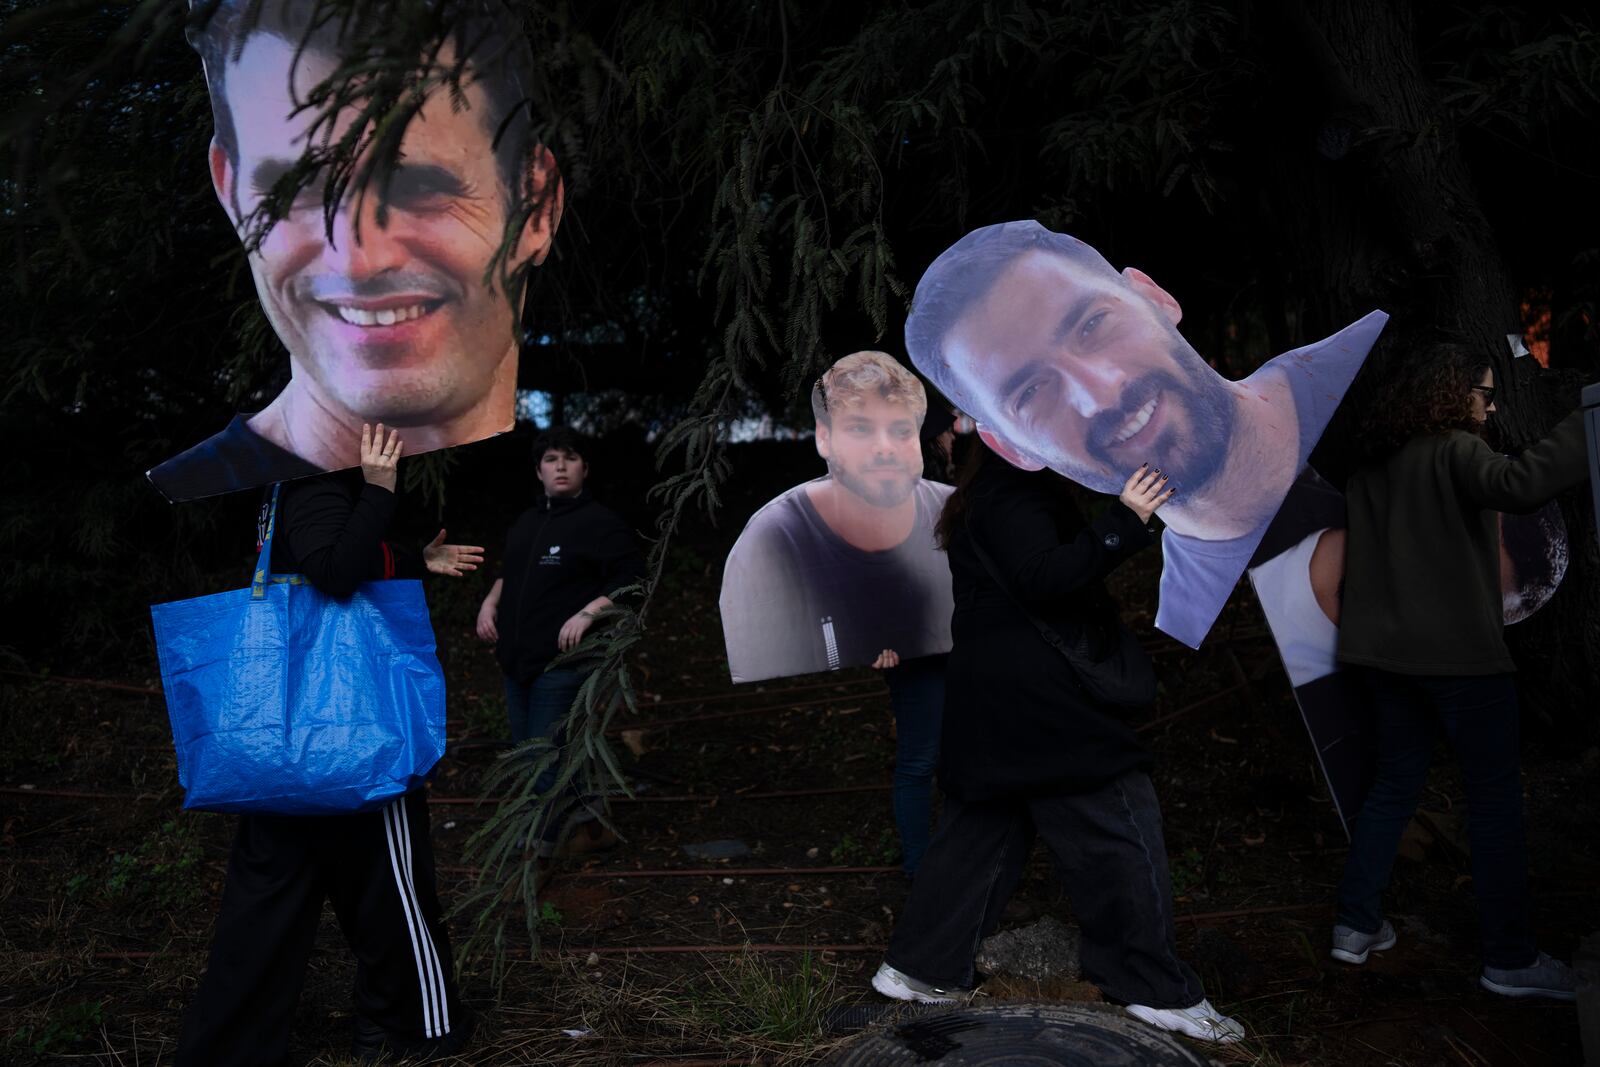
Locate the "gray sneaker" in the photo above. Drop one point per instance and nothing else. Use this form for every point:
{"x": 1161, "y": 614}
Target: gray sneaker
{"x": 901, "y": 986}
{"x": 1351, "y": 945}
{"x": 1544, "y": 977}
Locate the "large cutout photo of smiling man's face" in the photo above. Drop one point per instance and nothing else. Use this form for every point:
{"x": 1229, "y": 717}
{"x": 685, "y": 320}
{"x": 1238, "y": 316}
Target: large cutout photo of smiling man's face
{"x": 1068, "y": 363}
{"x": 1092, "y": 375}
{"x": 389, "y": 314}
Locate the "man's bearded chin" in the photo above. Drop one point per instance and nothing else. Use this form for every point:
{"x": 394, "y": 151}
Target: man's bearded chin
{"x": 876, "y": 491}
{"x": 1211, "y": 416}
{"x": 1190, "y": 461}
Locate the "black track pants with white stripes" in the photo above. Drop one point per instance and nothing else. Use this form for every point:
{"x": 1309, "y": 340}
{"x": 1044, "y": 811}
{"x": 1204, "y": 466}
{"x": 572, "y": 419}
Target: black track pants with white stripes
{"x": 377, "y": 870}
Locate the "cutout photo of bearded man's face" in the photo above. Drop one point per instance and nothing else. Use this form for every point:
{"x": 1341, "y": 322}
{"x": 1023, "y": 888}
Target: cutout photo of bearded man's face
{"x": 398, "y": 309}
{"x": 1068, "y": 363}
{"x": 1090, "y": 375}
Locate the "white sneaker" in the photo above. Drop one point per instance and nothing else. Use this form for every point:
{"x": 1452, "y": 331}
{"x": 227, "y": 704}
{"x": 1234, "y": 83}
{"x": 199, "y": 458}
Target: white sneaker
{"x": 1200, "y": 1021}
{"x": 900, "y": 986}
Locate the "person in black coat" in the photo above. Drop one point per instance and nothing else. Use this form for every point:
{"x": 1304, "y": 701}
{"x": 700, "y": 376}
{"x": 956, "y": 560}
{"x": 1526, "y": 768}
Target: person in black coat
{"x": 375, "y": 867}
{"x": 1026, "y": 750}
{"x": 567, "y": 558}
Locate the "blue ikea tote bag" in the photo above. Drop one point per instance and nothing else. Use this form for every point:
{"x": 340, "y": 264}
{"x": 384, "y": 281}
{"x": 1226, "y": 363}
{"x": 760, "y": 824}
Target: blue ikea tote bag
{"x": 285, "y": 700}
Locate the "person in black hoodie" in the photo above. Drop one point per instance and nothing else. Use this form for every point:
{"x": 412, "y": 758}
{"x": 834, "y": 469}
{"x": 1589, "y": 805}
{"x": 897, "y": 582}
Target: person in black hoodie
{"x": 566, "y": 558}
{"x": 376, "y": 867}
{"x": 1027, "y": 751}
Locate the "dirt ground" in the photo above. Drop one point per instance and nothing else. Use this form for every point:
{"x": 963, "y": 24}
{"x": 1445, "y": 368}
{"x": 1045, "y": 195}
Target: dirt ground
{"x": 109, "y": 889}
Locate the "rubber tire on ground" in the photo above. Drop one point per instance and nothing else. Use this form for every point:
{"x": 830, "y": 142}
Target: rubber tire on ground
{"x": 1018, "y": 1035}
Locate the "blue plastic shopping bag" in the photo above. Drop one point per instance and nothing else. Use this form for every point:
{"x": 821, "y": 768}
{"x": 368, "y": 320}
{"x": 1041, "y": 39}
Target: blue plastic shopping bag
{"x": 285, "y": 700}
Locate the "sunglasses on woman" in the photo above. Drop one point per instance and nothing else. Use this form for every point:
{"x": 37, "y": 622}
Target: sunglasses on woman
{"x": 1487, "y": 391}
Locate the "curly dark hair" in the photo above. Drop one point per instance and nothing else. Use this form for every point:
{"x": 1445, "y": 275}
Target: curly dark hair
{"x": 560, "y": 439}
{"x": 1428, "y": 394}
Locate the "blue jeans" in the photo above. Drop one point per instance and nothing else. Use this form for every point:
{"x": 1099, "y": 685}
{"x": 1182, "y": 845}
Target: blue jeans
{"x": 539, "y": 708}
{"x": 916, "y": 692}
{"x": 536, "y": 709}
{"x": 1479, "y": 716}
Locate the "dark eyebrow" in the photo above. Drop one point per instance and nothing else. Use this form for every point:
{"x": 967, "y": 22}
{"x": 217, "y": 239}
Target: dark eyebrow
{"x": 425, "y": 179}
{"x": 1019, "y": 378}
{"x": 1074, "y": 315}
{"x": 408, "y": 179}
{"x": 268, "y": 173}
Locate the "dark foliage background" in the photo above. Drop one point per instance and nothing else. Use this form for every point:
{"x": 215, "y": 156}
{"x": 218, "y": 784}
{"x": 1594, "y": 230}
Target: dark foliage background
{"x": 753, "y": 191}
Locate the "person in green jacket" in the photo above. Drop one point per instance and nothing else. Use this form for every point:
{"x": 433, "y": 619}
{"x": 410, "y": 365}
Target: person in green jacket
{"x": 1423, "y": 626}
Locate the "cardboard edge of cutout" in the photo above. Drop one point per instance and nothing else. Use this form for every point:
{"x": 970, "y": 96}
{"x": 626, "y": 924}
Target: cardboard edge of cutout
{"x": 1324, "y": 369}
{"x": 1199, "y": 574}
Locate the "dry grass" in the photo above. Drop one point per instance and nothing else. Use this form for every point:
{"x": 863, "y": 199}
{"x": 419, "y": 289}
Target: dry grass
{"x": 739, "y": 1006}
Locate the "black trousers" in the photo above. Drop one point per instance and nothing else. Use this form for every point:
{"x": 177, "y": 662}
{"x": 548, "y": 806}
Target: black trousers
{"x": 1108, "y": 847}
{"x": 377, "y": 869}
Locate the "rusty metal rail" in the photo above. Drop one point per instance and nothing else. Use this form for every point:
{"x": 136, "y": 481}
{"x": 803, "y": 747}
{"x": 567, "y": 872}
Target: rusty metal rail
{"x": 692, "y": 872}
{"x": 715, "y": 949}
{"x": 447, "y": 801}
{"x": 684, "y": 798}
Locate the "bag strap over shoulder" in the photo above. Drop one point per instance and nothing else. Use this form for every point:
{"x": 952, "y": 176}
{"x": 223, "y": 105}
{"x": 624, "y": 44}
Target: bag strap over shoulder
{"x": 1078, "y": 658}
{"x": 263, "y": 572}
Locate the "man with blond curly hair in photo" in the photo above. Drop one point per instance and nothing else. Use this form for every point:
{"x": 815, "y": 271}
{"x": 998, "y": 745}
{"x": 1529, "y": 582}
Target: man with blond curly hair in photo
{"x": 837, "y": 570}
{"x": 842, "y": 571}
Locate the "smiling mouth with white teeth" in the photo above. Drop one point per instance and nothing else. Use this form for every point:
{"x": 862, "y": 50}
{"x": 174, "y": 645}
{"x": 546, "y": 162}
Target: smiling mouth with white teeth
{"x": 381, "y": 316}
{"x": 1136, "y": 422}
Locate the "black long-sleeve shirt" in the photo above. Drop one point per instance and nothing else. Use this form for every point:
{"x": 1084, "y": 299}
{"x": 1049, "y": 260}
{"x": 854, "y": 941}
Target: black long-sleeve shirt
{"x": 330, "y": 529}
{"x": 1016, "y": 720}
{"x": 560, "y": 554}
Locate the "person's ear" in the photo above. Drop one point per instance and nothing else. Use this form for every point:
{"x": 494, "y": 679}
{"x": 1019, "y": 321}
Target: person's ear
{"x": 223, "y": 177}
{"x": 824, "y": 439}
{"x": 1007, "y": 451}
{"x": 1145, "y": 287}
{"x": 547, "y": 196}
